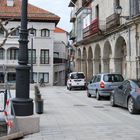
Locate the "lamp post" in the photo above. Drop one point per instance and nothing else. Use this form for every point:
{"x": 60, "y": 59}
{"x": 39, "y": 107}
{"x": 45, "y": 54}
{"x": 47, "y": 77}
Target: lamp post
{"x": 23, "y": 105}
{"x": 118, "y": 11}
{"x": 32, "y": 34}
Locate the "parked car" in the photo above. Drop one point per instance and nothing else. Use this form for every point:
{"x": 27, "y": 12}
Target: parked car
{"x": 127, "y": 95}
{"x": 103, "y": 84}
{"x": 76, "y": 80}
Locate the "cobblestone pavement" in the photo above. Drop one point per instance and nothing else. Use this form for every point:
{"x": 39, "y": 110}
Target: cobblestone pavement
{"x": 71, "y": 115}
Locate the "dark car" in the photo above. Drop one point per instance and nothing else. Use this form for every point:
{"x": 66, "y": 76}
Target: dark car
{"x": 102, "y": 84}
{"x": 127, "y": 95}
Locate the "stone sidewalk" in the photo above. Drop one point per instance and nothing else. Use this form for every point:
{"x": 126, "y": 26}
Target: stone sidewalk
{"x": 71, "y": 115}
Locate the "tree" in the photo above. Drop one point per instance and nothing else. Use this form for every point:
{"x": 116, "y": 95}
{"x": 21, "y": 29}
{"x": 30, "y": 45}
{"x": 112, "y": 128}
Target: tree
{"x": 6, "y": 31}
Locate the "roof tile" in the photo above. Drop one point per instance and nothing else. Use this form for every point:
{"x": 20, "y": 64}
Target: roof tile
{"x": 34, "y": 13}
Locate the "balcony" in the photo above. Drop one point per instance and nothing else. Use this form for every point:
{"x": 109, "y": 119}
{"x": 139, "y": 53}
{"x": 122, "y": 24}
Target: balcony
{"x": 112, "y": 21}
{"x": 92, "y": 29}
{"x": 59, "y": 60}
{"x": 72, "y": 16}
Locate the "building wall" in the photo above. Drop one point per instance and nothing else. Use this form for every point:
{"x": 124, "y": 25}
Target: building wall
{"x": 38, "y": 44}
{"x": 111, "y": 50}
{"x": 60, "y": 47}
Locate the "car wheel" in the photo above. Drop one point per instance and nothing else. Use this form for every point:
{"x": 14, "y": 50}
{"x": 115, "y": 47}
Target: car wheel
{"x": 131, "y": 105}
{"x": 112, "y": 100}
{"x": 88, "y": 94}
{"x": 98, "y": 97}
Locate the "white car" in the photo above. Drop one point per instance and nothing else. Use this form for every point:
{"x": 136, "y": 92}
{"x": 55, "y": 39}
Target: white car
{"x": 76, "y": 80}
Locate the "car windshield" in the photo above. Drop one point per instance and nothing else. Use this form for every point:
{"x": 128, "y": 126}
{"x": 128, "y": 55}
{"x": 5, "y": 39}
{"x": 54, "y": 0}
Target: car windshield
{"x": 113, "y": 78}
{"x": 77, "y": 76}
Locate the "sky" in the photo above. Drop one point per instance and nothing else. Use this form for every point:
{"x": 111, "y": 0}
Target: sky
{"x": 58, "y": 7}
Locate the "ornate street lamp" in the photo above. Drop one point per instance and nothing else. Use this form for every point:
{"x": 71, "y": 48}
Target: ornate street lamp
{"x": 23, "y": 105}
{"x": 118, "y": 11}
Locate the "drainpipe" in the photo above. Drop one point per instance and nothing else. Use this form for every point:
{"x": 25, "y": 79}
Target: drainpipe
{"x": 129, "y": 37}
{"x": 137, "y": 51}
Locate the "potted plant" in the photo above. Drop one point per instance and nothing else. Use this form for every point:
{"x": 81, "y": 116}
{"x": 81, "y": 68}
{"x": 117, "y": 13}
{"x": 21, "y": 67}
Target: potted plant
{"x": 38, "y": 100}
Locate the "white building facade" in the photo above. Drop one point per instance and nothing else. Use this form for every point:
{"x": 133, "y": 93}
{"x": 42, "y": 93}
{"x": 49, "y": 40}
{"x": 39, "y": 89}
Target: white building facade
{"x": 60, "y": 56}
{"x": 106, "y": 41}
{"x": 41, "y": 44}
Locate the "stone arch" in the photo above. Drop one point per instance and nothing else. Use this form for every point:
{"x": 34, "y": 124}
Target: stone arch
{"x": 97, "y": 59}
{"x": 84, "y": 62}
{"x": 79, "y": 60}
{"x": 107, "y": 54}
{"x": 120, "y": 56}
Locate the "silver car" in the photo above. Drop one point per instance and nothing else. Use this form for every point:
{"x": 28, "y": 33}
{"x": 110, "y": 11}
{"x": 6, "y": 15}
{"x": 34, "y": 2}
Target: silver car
{"x": 76, "y": 80}
{"x": 103, "y": 84}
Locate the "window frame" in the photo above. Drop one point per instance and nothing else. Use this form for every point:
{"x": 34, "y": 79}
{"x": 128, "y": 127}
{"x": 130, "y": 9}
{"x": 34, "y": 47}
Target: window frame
{"x": 45, "y": 33}
{"x": 43, "y": 76}
{"x": 43, "y": 58}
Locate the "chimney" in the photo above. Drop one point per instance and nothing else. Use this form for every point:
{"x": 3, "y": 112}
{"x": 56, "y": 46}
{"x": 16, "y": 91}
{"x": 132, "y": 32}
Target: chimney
{"x": 10, "y": 2}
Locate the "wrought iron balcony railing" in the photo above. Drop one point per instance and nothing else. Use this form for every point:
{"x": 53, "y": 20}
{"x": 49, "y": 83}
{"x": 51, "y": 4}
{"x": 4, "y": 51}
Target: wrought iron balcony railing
{"x": 112, "y": 21}
{"x": 92, "y": 29}
{"x": 59, "y": 60}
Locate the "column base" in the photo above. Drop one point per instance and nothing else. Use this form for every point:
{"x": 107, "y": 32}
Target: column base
{"x": 22, "y": 107}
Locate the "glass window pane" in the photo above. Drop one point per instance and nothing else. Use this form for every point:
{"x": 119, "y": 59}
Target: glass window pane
{"x": 35, "y": 77}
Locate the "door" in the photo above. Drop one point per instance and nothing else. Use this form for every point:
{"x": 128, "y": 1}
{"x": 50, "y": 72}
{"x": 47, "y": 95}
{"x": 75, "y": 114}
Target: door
{"x": 123, "y": 91}
{"x": 91, "y": 86}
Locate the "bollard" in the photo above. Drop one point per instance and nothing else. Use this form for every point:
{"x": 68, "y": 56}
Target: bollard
{"x": 38, "y": 101}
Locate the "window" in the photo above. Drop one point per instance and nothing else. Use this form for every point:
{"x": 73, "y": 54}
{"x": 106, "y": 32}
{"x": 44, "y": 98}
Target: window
{"x": 35, "y": 77}
{"x": 15, "y": 33}
{"x": 13, "y": 54}
{"x": 11, "y": 77}
{"x": 29, "y": 56}
{"x": 56, "y": 54}
{"x": 135, "y": 7}
{"x": 97, "y": 11}
{"x": 44, "y": 59}
{"x": 45, "y": 77}
{"x": 113, "y": 78}
{"x": 78, "y": 76}
{"x": 30, "y": 31}
{"x": 98, "y": 78}
{"x": 45, "y": 33}
{"x": 1, "y": 53}
{"x": 116, "y": 3}
{"x": 79, "y": 28}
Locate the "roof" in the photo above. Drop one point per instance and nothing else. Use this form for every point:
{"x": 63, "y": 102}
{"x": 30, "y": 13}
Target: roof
{"x": 59, "y": 30}
{"x": 34, "y": 13}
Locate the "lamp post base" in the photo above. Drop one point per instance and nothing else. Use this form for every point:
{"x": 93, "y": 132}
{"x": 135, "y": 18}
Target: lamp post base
{"x": 22, "y": 107}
